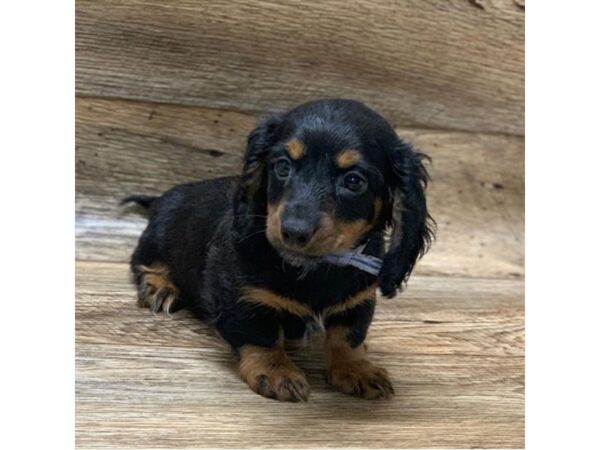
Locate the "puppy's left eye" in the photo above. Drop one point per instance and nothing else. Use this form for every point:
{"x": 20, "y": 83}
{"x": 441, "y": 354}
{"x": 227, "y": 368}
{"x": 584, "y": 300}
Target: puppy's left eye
{"x": 354, "y": 182}
{"x": 283, "y": 168}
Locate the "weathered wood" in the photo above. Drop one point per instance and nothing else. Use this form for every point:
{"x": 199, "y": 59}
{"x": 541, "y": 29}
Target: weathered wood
{"x": 124, "y": 147}
{"x": 453, "y": 347}
{"x": 487, "y": 323}
{"x": 476, "y": 195}
{"x": 444, "y": 64}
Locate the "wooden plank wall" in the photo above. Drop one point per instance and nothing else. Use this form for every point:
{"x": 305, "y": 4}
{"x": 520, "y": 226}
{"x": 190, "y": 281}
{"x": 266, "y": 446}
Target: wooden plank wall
{"x": 454, "y": 64}
{"x": 167, "y": 92}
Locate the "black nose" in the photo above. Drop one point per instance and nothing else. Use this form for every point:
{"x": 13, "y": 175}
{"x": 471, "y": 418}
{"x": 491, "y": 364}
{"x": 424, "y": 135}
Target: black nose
{"x": 296, "y": 232}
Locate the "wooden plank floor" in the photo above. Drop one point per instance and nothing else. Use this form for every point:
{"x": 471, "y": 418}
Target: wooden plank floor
{"x": 453, "y": 347}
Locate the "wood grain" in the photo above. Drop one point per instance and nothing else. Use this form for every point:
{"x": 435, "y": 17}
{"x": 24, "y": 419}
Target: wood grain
{"x": 455, "y": 64}
{"x": 126, "y": 147}
{"x": 453, "y": 347}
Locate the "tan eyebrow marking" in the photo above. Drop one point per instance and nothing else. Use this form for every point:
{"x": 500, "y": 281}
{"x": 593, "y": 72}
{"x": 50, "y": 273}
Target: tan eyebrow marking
{"x": 295, "y": 148}
{"x": 347, "y": 158}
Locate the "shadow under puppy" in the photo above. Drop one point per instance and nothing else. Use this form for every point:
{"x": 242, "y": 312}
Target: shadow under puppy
{"x": 249, "y": 254}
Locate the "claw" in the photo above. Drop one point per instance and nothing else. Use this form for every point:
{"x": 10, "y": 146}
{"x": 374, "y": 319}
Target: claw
{"x": 157, "y": 300}
{"x": 167, "y": 303}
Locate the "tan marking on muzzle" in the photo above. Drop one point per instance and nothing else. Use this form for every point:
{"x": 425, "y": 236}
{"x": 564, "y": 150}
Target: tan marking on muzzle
{"x": 332, "y": 234}
{"x": 348, "y": 233}
{"x": 274, "y": 222}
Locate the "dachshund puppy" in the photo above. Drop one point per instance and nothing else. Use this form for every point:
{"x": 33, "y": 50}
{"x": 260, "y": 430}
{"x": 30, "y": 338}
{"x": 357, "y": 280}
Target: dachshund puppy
{"x": 249, "y": 254}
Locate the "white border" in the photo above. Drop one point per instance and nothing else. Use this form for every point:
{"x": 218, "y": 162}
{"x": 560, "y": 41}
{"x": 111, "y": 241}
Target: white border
{"x": 37, "y": 224}
{"x": 562, "y": 224}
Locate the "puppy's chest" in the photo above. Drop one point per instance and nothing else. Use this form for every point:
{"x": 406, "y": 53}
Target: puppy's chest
{"x": 321, "y": 296}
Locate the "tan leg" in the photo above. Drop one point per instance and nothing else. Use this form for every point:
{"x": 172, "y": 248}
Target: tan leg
{"x": 349, "y": 369}
{"x": 271, "y": 373}
{"x": 155, "y": 289}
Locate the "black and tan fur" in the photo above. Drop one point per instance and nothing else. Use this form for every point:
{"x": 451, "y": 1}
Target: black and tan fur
{"x": 245, "y": 253}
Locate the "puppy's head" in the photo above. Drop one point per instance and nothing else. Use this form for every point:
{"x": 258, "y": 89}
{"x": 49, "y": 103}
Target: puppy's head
{"x": 329, "y": 173}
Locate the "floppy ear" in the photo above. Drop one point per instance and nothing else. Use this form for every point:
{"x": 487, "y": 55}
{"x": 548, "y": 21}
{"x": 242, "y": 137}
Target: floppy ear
{"x": 252, "y": 193}
{"x": 412, "y": 227}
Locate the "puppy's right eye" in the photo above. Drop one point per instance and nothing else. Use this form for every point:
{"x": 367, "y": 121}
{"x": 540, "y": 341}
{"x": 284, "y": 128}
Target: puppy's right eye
{"x": 283, "y": 168}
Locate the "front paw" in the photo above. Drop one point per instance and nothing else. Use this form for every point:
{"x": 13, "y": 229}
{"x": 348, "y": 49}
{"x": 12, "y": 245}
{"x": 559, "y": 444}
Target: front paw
{"x": 281, "y": 384}
{"x": 361, "y": 378}
{"x": 271, "y": 373}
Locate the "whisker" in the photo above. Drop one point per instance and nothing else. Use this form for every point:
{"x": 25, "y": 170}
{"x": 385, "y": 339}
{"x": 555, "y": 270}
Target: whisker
{"x": 262, "y": 216}
{"x": 243, "y": 238}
